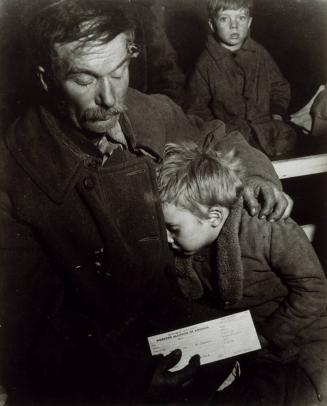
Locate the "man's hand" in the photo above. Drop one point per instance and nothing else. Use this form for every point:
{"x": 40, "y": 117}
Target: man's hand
{"x": 263, "y": 341}
{"x": 277, "y": 117}
{"x": 166, "y": 382}
{"x": 265, "y": 199}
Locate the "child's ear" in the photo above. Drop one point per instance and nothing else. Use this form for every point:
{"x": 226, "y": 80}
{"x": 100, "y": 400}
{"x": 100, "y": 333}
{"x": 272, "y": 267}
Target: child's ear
{"x": 215, "y": 216}
{"x": 41, "y": 77}
{"x": 211, "y": 26}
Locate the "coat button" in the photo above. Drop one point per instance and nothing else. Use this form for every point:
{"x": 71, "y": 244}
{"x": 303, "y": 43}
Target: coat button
{"x": 89, "y": 183}
{"x": 93, "y": 163}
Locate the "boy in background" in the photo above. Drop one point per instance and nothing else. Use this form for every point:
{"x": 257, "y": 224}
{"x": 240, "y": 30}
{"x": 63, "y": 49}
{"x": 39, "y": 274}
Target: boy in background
{"x": 237, "y": 81}
{"x": 230, "y": 261}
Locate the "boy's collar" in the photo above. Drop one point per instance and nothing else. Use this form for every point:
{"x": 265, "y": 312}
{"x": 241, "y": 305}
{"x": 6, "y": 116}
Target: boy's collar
{"x": 248, "y": 44}
{"x": 229, "y": 263}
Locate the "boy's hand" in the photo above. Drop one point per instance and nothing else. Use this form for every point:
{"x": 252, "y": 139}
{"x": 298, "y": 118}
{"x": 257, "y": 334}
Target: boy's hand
{"x": 166, "y": 382}
{"x": 265, "y": 199}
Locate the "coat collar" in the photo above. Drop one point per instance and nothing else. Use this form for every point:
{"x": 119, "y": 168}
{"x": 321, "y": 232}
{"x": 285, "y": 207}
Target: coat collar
{"x": 53, "y": 153}
{"x": 45, "y": 153}
{"x": 229, "y": 260}
{"x": 218, "y": 52}
{"x": 229, "y": 263}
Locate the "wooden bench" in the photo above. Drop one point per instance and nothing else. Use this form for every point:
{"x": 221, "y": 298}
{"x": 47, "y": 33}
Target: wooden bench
{"x": 302, "y": 166}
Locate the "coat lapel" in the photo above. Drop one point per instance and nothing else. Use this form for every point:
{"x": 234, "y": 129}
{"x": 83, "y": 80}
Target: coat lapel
{"x": 40, "y": 148}
{"x": 229, "y": 263}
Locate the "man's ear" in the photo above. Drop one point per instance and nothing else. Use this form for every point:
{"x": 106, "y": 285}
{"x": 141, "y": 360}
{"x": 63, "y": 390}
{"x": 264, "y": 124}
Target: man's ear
{"x": 215, "y": 216}
{"x": 41, "y": 76}
{"x": 211, "y": 26}
{"x": 250, "y": 22}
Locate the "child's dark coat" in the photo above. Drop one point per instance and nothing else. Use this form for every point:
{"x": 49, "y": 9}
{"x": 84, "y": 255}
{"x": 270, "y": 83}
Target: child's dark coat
{"x": 271, "y": 269}
{"x": 243, "y": 89}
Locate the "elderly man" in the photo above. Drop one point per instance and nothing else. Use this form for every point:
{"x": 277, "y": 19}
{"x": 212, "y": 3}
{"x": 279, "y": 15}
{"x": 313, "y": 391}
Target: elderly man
{"x": 84, "y": 255}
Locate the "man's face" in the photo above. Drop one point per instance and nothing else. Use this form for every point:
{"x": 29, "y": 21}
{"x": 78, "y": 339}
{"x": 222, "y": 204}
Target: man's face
{"x": 186, "y": 232}
{"x": 231, "y": 27}
{"x": 92, "y": 82}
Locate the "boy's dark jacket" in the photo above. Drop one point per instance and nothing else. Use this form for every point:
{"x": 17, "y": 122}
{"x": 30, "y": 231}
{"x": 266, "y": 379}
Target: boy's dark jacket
{"x": 83, "y": 246}
{"x": 271, "y": 269}
{"x": 243, "y": 89}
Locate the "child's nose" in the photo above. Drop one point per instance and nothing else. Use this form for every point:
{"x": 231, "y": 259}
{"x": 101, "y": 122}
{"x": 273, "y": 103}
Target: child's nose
{"x": 169, "y": 237}
{"x": 233, "y": 23}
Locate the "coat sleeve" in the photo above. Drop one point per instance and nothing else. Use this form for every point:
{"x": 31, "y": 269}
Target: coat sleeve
{"x": 295, "y": 262}
{"x": 198, "y": 96}
{"x": 280, "y": 91}
{"x": 255, "y": 162}
{"x": 181, "y": 127}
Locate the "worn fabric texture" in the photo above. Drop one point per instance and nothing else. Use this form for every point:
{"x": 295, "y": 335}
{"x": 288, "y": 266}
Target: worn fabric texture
{"x": 83, "y": 250}
{"x": 271, "y": 269}
{"x": 243, "y": 89}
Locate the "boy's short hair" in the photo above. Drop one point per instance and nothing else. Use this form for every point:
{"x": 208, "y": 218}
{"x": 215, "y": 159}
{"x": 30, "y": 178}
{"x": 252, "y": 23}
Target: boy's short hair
{"x": 191, "y": 175}
{"x": 214, "y": 6}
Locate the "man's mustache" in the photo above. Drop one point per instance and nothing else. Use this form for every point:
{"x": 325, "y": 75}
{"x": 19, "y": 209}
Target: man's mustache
{"x": 102, "y": 113}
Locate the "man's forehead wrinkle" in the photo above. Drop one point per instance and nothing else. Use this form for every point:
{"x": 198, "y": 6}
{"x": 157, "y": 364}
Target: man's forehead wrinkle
{"x": 89, "y": 57}
{"x": 95, "y": 66}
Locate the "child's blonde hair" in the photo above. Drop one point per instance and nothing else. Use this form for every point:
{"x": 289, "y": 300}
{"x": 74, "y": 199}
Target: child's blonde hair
{"x": 190, "y": 176}
{"x": 214, "y": 6}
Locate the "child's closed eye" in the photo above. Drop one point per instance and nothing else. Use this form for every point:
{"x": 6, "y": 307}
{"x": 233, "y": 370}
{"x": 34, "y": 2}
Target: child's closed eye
{"x": 172, "y": 229}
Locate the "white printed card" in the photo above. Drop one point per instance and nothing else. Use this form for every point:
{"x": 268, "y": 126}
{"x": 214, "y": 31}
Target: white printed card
{"x": 213, "y": 340}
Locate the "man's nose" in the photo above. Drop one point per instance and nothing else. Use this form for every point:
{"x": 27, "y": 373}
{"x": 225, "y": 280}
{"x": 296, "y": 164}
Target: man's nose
{"x": 106, "y": 93}
{"x": 169, "y": 237}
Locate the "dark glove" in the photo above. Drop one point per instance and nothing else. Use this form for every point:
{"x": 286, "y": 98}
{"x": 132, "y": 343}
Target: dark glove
{"x": 165, "y": 383}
